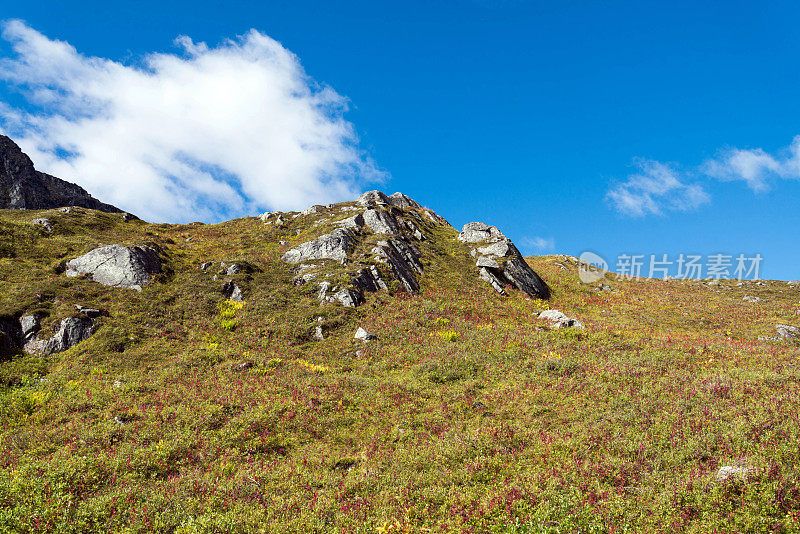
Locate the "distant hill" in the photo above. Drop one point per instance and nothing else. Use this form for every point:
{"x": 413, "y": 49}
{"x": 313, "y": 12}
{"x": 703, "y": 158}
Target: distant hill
{"x": 23, "y": 187}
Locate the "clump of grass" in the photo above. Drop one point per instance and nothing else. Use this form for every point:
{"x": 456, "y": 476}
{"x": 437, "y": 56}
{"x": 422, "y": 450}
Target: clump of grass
{"x": 448, "y": 335}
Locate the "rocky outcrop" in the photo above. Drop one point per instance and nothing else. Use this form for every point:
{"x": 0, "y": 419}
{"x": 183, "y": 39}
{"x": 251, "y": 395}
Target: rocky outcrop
{"x": 499, "y": 262}
{"x": 71, "y": 331}
{"x": 117, "y": 266}
{"x": 23, "y": 187}
{"x": 399, "y": 222}
{"x": 333, "y": 246}
{"x": 364, "y": 335}
{"x": 232, "y": 292}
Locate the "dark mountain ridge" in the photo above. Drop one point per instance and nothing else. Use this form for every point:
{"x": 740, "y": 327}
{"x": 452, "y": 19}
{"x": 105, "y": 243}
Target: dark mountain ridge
{"x": 23, "y": 187}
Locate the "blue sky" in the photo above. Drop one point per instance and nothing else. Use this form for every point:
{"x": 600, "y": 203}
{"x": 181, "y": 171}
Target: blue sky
{"x": 615, "y": 127}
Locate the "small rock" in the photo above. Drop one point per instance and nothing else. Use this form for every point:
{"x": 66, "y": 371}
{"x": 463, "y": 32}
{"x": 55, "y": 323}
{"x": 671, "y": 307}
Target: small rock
{"x": 241, "y": 366}
{"x": 318, "y": 333}
{"x": 232, "y": 291}
{"x": 748, "y": 298}
{"x": 65, "y": 210}
{"x": 363, "y": 335}
{"x": 205, "y": 266}
{"x": 348, "y": 298}
{"x": 560, "y": 320}
{"x": 733, "y": 471}
{"x": 44, "y": 223}
{"x": 72, "y": 331}
{"x": 786, "y": 331}
{"x": 89, "y": 312}
{"x": 127, "y": 217}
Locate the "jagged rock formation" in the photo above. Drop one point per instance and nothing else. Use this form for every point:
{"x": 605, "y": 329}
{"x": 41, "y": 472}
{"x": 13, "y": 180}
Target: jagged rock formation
{"x": 23, "y": 187}
{"x": 383, "y": 237}
{"x": 118, "y": 266}
{"x": 499, "y": 262}
{"x": 396, "y": 218}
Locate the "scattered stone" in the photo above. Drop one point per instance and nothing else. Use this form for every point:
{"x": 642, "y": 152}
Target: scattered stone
{"x": 312, "y": 209}
{"x": 30, "y": 326}
{"x": 128, "y": 217}
{"x": 117, "y": 266}
{"x": 67, "y": 209}
{"x": 560, "y": 320}
{"x": 92, "y": 313}
{"x": 265, "y": 216}
{"x": 788, "y": 332}
{"x": 205, "y": 266}
{"x": 241, "y": 366}
{"x": 232, "y": 291}
{"x": 324, "y": 287}
{"x": 44, "y": 223}
{"x": 748, "y": 298}
{"x": 318, "y": 333}
{"x": 728, "y": 472}
{"x": 364, "y": 336}
{"x": 334, "y": 246}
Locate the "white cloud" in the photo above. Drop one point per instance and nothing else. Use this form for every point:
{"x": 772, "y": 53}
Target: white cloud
{"x": 540, "y": 243}
{"x": 203, "y": 134}
{"x": 656, "y": 188}
{"x": 755, "y": 166}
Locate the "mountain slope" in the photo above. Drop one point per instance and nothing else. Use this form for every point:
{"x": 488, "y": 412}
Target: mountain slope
{"x": 189, "y": 412}
{"x": 23, "y": 187}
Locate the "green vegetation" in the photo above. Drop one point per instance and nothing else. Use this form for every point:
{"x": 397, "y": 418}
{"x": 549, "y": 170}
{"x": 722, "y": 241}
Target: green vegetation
{"x": 189, "y": 413}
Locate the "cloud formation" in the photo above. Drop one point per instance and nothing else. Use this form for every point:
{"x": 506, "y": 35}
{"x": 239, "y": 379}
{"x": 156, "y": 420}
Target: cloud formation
{"x": 203, "y": 134}
{"x": 655, "y": 189}
{"x": 540, "y": 243}
{"x": 755, "y": 166}
{"x": 659, "y": 187}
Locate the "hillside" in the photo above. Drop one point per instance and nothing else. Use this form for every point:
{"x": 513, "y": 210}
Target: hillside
{"x": 229, "y": 393}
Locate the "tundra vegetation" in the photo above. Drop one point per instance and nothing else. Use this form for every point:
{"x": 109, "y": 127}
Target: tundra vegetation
{"x": 188, "y": 412}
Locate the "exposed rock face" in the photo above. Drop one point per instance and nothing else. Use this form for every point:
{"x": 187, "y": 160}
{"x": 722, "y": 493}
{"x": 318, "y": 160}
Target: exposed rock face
{"x": 499, "y": 262}
{"x": 23, "y": 187}
{"x": 117, "y": 266}
{"x": 381, "y": 222}
{"x": 44, "y": 223}
{"x": 333, "y": 246}
{"x": 399, "y": 200}
{"x": 71, "y": 331}
{"x": 403, "y": 259}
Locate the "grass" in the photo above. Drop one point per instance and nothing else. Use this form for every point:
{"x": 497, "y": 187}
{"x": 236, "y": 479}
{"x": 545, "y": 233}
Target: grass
{"x": 188, "y": 413}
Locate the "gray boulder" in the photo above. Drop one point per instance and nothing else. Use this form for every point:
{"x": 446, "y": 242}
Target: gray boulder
{"x": 560, "y": 320}
{"x": 363, "y": 335}
{"x": 475, "y": 232}
{"x": 334, "y": 246}
{"x": 348, "y": 298}
{"x": 118, "y": 266}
